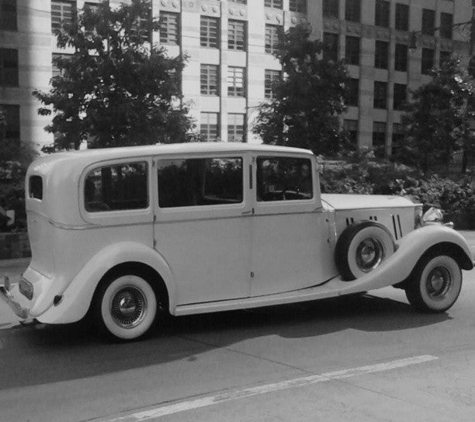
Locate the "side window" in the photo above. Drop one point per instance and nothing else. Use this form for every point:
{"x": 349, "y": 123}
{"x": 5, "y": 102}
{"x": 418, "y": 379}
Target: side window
{"x": 284, "y": 179}
{"x": 118, "y": 187}
{"x": 36, "y": 187}
{"x": 200, "y": 181}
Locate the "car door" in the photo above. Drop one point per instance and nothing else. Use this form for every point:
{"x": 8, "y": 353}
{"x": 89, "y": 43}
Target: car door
{"x": 289, "y": 243}
{"x": 203, "y": 225}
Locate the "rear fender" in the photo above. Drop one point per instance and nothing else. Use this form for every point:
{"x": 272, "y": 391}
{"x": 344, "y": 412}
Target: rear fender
{"x": 77, "y": 297}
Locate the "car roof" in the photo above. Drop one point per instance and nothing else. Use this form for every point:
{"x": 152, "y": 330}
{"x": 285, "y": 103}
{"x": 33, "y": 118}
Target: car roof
{"x": 84, "y": 157}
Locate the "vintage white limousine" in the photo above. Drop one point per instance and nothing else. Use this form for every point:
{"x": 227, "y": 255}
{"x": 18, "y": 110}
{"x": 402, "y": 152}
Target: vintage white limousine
{"x": 192, "y": 228}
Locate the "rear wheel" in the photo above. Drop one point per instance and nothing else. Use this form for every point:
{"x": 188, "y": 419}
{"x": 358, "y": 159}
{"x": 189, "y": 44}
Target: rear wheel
{"x": 125, "y": 307}
{"x": 435, "y": 284}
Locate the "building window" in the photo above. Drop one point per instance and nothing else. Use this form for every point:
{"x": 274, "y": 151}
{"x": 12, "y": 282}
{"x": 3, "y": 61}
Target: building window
{"x": 271, "y": 77}
{"x": 209, "y": 32}
{"x": 331, "y": 8}
{"x": 299, "y": 6}
{"x": 12, "y": 117}
{"x": 353, "y": 10}
{"x": 237, "y": 35}
{"x": 381, "y": 13}
{"x": 446, "y": 24}
{"x": 381, "y": 57}
{"x": 274, "y": 4}
{"x": 93, "y": 7}
{"x": 379, "y": 138}
{"x": 273, "y": 36}
{"x": 56, "y": 70}
{"x": 209, "y": 79}
{"x": 427, "y": 62}
{"x": 352, "y": 92}
{"x": 8, "y": 15}
{"x": 400, "y": 95}
{"x": 352, "y": 50}
{"x": 62, "y": 12}
{"x": 169, "y": 28}
{"x": 400, "y": 57}
{"x": 444, "y": 56}
{"x": 236, "y": 82}
{"x": 209, "y": 127}
{"x": 330, "y": 51}
{"x": 351, "y": 128}
{"x": 236, "y": 127}
{"x": 428, "y": 22}
{"x": 380, "y": 98}
{"x": 8, "y": 67}
{"x": 402, "y": 17}
{"x": 397, "y": 139}
{"x": 238, "y": 1}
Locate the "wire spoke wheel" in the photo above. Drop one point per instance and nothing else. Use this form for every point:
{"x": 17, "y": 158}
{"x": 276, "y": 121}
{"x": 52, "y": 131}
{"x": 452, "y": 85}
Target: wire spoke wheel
{"x": 435, "y": 283}
{"x": 125, "y": 307}
{"x": 128, "y": 307}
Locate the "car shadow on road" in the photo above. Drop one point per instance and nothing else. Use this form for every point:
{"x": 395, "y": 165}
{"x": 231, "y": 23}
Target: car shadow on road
{"x": 64, "y": 352}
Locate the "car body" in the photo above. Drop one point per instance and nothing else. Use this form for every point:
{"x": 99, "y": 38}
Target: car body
{"x": 206, "y": 227}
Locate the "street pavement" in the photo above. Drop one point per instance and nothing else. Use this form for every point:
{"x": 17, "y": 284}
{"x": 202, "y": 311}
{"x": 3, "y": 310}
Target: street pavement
{"x": 362, "y": 359}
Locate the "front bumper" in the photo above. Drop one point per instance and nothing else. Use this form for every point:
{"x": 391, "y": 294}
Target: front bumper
{"x": 7, "y": 294}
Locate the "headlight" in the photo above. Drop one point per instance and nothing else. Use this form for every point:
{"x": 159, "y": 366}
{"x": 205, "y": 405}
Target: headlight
{"x": 433, "y": 216}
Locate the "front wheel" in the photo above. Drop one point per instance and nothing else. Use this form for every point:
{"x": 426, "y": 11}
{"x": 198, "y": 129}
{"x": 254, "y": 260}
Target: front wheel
{"x": 435, "y": 284}
{"x": 125, "y": 308}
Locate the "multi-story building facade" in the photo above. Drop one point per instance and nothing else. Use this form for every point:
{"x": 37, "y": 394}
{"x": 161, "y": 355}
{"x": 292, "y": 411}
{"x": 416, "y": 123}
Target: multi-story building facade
{"x": 231, "y": 67}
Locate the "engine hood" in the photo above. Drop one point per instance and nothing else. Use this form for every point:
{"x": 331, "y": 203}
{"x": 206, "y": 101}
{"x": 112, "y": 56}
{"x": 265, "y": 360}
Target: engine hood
{"x": 333, "y": 201}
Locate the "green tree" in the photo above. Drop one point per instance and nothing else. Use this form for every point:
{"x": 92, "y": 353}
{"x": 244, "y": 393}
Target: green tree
{"x": 437, "y": 120}
{"x": 115, "y": 89}
{"x": 308, "y": 100}
{"x": 15, "y": 156}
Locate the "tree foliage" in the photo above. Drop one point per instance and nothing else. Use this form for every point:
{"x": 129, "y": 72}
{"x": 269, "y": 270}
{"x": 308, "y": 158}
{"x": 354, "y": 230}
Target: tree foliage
{"x": 115, "y": 89}
{"x": 307, "y": 101}
{"x": 15, "y": 156}
{"x": 437, "y": 120}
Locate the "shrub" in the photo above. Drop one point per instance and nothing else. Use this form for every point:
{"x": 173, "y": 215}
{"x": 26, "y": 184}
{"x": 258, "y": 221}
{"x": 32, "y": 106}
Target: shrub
{"x": 15, "y": 158}
{"x": 364, "y": 175}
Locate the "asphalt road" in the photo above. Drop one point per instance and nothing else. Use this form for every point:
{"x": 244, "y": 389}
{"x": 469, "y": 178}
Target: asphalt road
{"x": 369, "y": 358}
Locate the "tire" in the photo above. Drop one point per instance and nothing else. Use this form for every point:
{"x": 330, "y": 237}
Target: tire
{"x": 361, "y": 248}
{"x": 435, "y": 284}
{"x": 125, "y": 307}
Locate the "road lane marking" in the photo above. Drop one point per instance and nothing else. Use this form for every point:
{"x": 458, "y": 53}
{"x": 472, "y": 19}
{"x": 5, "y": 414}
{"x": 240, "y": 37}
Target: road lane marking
{"x": 158, "y": 412}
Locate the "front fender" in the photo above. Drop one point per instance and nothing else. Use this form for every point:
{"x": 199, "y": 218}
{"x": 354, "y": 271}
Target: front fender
{"x": 77, "y": 297}
{"x": 399, "y": 266}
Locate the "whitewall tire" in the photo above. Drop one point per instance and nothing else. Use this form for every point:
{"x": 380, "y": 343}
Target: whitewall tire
{"x": 361, "y": 248}
{"x": 125, "y": 307}
{"x": 435, "y": 284}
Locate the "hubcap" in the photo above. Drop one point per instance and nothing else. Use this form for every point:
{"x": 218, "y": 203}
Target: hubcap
{"x": 438, "y": 283}
{"x": 128, "y": 307}
{"x": 369, "y": 254}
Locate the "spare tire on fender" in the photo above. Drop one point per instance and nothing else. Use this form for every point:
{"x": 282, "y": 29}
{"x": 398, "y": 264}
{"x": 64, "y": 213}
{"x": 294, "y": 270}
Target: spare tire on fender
{"x": 361, "y": 248}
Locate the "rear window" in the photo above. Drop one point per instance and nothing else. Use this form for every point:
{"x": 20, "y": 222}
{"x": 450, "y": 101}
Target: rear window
{"x": 36, "y": 187}
{"x": 118, "y": 187}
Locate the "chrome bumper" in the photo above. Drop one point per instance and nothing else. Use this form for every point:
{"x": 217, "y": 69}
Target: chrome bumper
{"x": 7, "y": 296}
